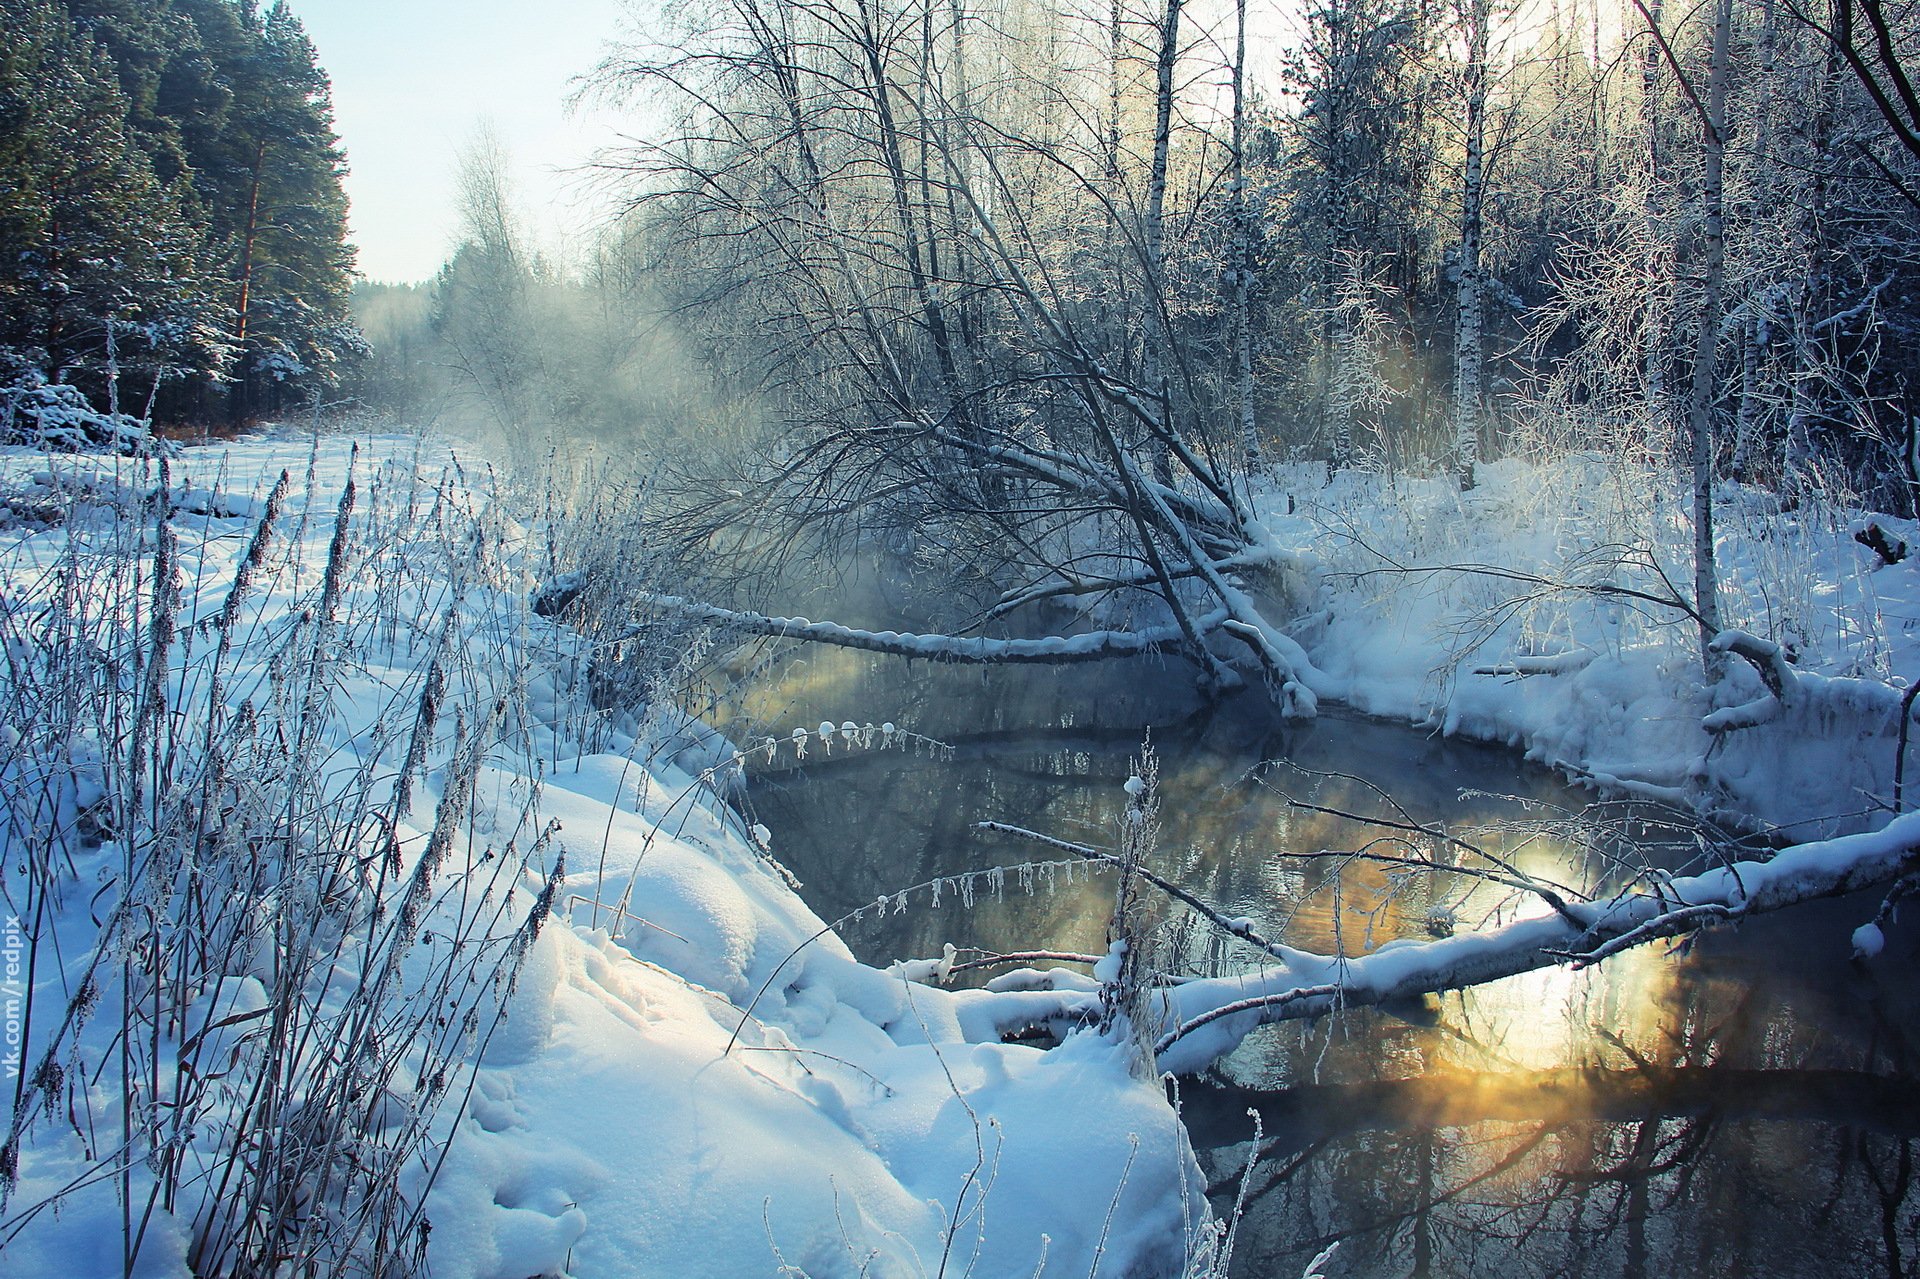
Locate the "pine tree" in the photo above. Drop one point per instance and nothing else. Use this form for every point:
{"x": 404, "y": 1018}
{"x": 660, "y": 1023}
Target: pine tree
{"x": 99, "y": 258}
{"x": 270, "y": 177}
{"x": 170, "y": 200}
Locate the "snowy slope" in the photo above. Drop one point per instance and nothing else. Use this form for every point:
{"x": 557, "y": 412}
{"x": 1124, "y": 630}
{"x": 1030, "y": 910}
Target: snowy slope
{"x": 1531, "y": 611}
{"x": 538, "y": 977}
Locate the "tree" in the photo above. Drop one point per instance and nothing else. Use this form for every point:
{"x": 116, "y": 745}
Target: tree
{"x": 101, "y": 263}
{"x": 1469, "y": 356}
{"x": 836, "y": 160}
{"x": 1700, "y": 432}
{"x": 173, "y": 200}
{"x": 1359, "y": 168}
{"x": 483, "y": 309}
{"x": 279, "y": 212}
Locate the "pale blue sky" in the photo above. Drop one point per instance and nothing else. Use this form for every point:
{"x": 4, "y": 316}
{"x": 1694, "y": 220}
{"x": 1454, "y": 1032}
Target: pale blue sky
{"x": 413, "y": 79}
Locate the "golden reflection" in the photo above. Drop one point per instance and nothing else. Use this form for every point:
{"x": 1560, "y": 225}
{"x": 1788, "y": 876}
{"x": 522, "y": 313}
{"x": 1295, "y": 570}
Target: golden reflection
{"x": 1551, "y": 1123}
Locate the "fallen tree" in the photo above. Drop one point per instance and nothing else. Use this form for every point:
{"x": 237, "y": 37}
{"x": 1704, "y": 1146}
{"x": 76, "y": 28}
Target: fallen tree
{"x": 963, "y": 649}
{"x": 1195, "y": 1022}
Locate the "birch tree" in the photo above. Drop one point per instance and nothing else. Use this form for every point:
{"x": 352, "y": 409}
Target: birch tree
{"x": 1713, "y": 125}
{"x": 1469, "y": 355}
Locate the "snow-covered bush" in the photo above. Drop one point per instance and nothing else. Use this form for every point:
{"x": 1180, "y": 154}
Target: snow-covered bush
{"x": 240, "y": 764}
{"x": 57, "y": 417}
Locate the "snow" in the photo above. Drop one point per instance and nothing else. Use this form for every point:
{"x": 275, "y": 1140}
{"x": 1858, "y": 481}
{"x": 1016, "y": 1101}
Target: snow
{"x": 58, "y": 418}
{"x": 1527, "y": 613}
{"x": 689, "y": 1073}
{"x": 693, "y": 1076}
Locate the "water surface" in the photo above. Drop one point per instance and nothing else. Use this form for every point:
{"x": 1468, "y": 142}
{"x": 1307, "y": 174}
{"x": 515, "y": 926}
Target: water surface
{"x": 1744, "y": 1107}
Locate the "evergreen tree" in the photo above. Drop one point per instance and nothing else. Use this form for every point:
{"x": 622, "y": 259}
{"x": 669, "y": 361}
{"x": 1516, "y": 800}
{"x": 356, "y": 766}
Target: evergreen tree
{"x": 1360, "y": 166}
{"x": 270, "y": 174}
{"x": 171, "y": 200}
{"x": 101, "y": 261}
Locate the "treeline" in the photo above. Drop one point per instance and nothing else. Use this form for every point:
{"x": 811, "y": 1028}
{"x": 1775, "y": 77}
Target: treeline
{"x": 1425, "y": 232}
{"x": 172, "y": 219}
{"x": 532, "y": 354}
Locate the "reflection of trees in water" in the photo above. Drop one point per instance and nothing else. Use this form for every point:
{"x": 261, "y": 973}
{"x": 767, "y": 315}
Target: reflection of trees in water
{"x": 1748, "y": 1109}
{"x": 1740, "y": 1139}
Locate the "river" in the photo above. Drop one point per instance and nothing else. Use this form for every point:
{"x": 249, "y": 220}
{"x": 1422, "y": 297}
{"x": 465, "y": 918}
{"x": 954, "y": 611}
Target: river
{"x": 1746, "y": 1106}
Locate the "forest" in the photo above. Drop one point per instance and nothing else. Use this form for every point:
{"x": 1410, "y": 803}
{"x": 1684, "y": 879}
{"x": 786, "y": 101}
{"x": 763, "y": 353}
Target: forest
{"x": 171, "y": 209}
{"x": 1353, "y": 716}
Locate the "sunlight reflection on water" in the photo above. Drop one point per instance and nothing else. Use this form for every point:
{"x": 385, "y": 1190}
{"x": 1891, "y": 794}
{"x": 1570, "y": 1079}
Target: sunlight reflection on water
{"x": 1624, "y": 1120}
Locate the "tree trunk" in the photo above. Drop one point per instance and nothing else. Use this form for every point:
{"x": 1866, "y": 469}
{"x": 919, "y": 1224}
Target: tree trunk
{"x": 1159, "y": 335}
{"x": 1700, "y": 399}
{"x": 1469, "y": 353}
{"x": 239, "y": 400}
{"x": 1653, "y": 394}
{"x": 1242, "y": 250}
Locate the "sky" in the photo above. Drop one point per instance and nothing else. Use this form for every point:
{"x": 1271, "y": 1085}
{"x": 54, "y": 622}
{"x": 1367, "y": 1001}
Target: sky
{"x": 414, "y": 81}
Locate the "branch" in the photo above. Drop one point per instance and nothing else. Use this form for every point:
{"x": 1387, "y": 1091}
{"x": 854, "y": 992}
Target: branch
{"x": 1399, "y": 971}
{"x": 1770, "y": 660}
{"x": 1241, "y": 928}
{"x": 1513, "y": 878}
{"x": 1686, "y": 85}
{"x": 970, "y": 650}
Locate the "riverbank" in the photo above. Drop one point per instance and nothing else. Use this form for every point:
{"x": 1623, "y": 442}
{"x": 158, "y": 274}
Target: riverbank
{"x": 1545, "y": 610}
{"x": 355, "y": 929}
{"x": 351, "y": 930}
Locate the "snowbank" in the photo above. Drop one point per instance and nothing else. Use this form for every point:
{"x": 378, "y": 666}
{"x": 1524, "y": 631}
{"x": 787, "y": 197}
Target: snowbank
{"x": 1541, "y": 611}
{"x": 613, "y": 1038}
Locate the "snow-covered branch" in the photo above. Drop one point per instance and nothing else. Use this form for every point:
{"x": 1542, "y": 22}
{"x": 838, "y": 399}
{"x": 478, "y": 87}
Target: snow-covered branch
{"x": 1206, "y": 1019}
{"x": 976, "y": 650}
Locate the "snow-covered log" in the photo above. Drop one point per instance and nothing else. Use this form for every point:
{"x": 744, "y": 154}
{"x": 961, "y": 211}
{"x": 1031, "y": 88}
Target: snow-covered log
{"x": 1541, "y": 664}
{"x": 1206, "y": 1019}
{"x": 976, "y": 650}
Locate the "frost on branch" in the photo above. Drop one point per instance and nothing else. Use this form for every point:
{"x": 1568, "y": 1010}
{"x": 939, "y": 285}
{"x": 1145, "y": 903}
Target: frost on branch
{"x": 1206, "y": 1019}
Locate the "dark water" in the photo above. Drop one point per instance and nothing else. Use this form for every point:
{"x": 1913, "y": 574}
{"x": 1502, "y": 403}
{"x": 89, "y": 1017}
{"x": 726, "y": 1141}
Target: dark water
{"x": 1748, "y": 1107}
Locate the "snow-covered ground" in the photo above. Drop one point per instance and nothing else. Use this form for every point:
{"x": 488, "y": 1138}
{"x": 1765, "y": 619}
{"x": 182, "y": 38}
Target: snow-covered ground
{"x": 1527, "y": 612}
{"x": 354, "y": 931}
{"x": 692, "y": 1075}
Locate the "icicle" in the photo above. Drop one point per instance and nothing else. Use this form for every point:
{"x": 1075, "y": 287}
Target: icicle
{"x": 966, "y": 891}
{"x": 849, "y": 730}
{"x": 866, "y": 735}
{"x": 1026, "y": 878}
{"x": 799, "y": 743}
{"x": 887, "y": 731}
{"x": 997, "y": 881}
{"x": 773, "y": 745}
{"x": 900, "y": 903}
{"x": 1047, "y": 877}
{"x": 936, "y": 890}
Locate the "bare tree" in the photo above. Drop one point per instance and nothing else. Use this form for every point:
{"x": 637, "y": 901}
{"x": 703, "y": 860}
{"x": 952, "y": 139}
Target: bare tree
{"x": 1469, "y": 355}
{"x": 1027, "y": 445}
